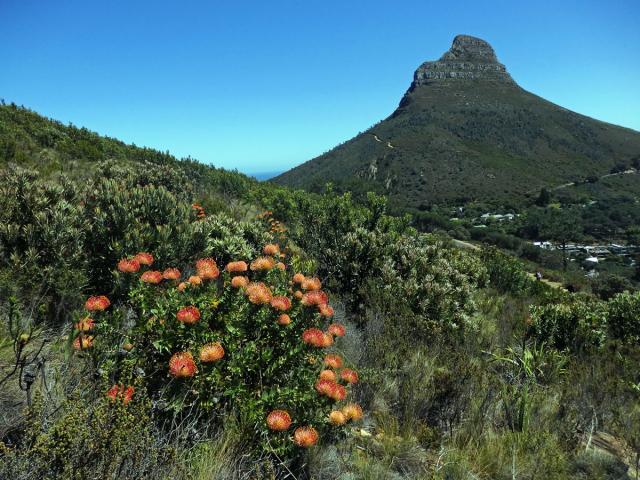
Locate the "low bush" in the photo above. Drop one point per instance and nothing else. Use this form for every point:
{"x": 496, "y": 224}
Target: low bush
{"x": 239, "y": 342}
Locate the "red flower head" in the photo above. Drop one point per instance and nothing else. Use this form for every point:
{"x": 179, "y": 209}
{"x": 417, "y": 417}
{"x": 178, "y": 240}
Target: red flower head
{"x": 353, "y": 411}
{"x": 128, "y": 266}
{"x": 349, "y": 376}
{"x": 171, "y": 274}
{"x": 313, "y": 336}
{"x": 314, "y": 297}
{"x": 336, "y": 417}
{"x": 118, "y": 391}
{"x": 144, "y": 258}
{"x": 284, "y": 319}
{"x": 339, "y": 393}
{"x": 183, "y": 286}
{"x": 83, "y": 342}
{"x": 326, "y": 387}
{"x": 188, "y": 315}
{"x": 325, "y": 310}
{"x": 258, "y": 293}
{"x": 328, "y": 375}
{"x": 311, "y": 284}
{"x": 333, "y": 361}
{"x": 182, "y": 365}
{"x": 305, "y": 437}
{"x": 298, "y": 278}
{"x": 337, "y": 330}
{"x": 85, "y": 325}
{"x": 211, "y": 352}
{"x": 263, "y": 263}
{"x": 195, "y": 280}
{"x": 271, "y": 249}
{"x": 151, "y": 276}
{"x": 112, "y": 393}
{"x": 281, "y": 303}
{"x": 237, "y": 267}
{"x": 128, "y": 394}
{"x": 279, "y": 420}
{"x": 207, "y": 269}
{"x": 239, "y": 282}
{"x": 97, "y": 304}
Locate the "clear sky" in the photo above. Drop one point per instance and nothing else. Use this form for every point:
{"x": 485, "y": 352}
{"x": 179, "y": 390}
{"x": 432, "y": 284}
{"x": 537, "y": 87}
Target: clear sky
{"x": 264, "y": 85}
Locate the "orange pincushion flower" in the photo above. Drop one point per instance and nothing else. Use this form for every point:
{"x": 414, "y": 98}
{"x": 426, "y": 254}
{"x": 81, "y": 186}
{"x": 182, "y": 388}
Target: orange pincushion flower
{"x": 298, "y": 294}
{"x": 188, "y": 315}
{"x": 298, "y": 278}
{"x": 284, "y": 319}
{"x": 349, "y": 376}
{"x": 353, "y": 411}
{"x": 152, "y": 276}
{"x": 182, "y": 365}
{"x": 128, "y": 265}
{"x": 333, "y": 361}
{"x": 239, "y": 282}
{"x": 281, "y": 303}
{"x": 313, "y": 336}
{"x": 183, "y": 286}
{"x": 211, "y": 352}
{"x": 207, "y": 268}
{"x": 258, "y": 293}
{"x": 235, "y": 267}
{"x": 305, "y": 436}
{"x": 339, "y": 393}
{"x": 118, "y": 391}
{"x": 97, "y": 304}
{"x": 144, "y": 258}
{"x": 171, "y": 274}
{"x": 327, "y": 340}
{"x": 336, "y": 417}
{"x": 195, "y": 280}
{"x": 326, "y": 310}
{"x": 328, "y": 375}
{"x": 83, "y": 342}
{"x": 325, "y": 387}
{"x": 112, "y": 393}
{"x": 336, "y": 329}
{"x": 271, "y": 249}
{"x": 279, "y": 420}
{"x": 263, "y": 263}
{"x": 311, "y": 284}
{"x": 314, "y": 297}
{"x": 85, "y": 325}
{"x": 281, "y": 266}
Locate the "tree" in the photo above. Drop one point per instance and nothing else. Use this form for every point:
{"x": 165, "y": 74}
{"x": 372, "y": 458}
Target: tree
{"x": 544, "y": 198}
{"x": 562, "y": 225}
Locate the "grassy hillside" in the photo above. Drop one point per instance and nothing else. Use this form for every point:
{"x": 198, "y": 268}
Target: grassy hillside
{"x": 461, "y": 140}
{"x": 464, "y": 365}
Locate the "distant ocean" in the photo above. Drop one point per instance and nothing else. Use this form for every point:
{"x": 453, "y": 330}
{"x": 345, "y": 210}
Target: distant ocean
{"x": 265, "y": 175}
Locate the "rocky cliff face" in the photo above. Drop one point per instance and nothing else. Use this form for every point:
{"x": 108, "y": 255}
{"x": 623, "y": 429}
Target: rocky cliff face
{"x": 468, "y": 58}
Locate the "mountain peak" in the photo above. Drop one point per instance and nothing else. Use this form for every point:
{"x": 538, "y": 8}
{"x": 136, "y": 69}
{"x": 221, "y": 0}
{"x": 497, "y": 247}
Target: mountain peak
{"x": 468, "y": 58}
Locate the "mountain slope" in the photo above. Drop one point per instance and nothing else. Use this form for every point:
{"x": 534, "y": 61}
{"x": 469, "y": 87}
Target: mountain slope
{"x": 466, "y": 131}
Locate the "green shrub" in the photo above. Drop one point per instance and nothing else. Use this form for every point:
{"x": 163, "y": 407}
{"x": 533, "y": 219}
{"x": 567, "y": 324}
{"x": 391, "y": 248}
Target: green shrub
{"x": 624, "y": 317}
{"x": 579, "y": 324}
{"x": 218, "y": 347}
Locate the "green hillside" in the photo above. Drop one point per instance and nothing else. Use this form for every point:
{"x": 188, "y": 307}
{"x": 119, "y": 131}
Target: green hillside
{"x": 465, "y": 131}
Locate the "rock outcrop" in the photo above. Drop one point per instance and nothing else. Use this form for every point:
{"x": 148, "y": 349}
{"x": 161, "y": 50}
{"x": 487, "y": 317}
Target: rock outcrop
{"x": 468, "y": 58}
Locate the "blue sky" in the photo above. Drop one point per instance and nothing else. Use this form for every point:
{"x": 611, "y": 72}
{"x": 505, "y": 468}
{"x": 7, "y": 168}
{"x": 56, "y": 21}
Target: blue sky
{"x": 262, "y": 86}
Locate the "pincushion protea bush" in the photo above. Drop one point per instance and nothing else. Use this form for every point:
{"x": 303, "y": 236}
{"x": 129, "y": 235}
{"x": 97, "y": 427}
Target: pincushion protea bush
{"x": 223, "y": 347}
